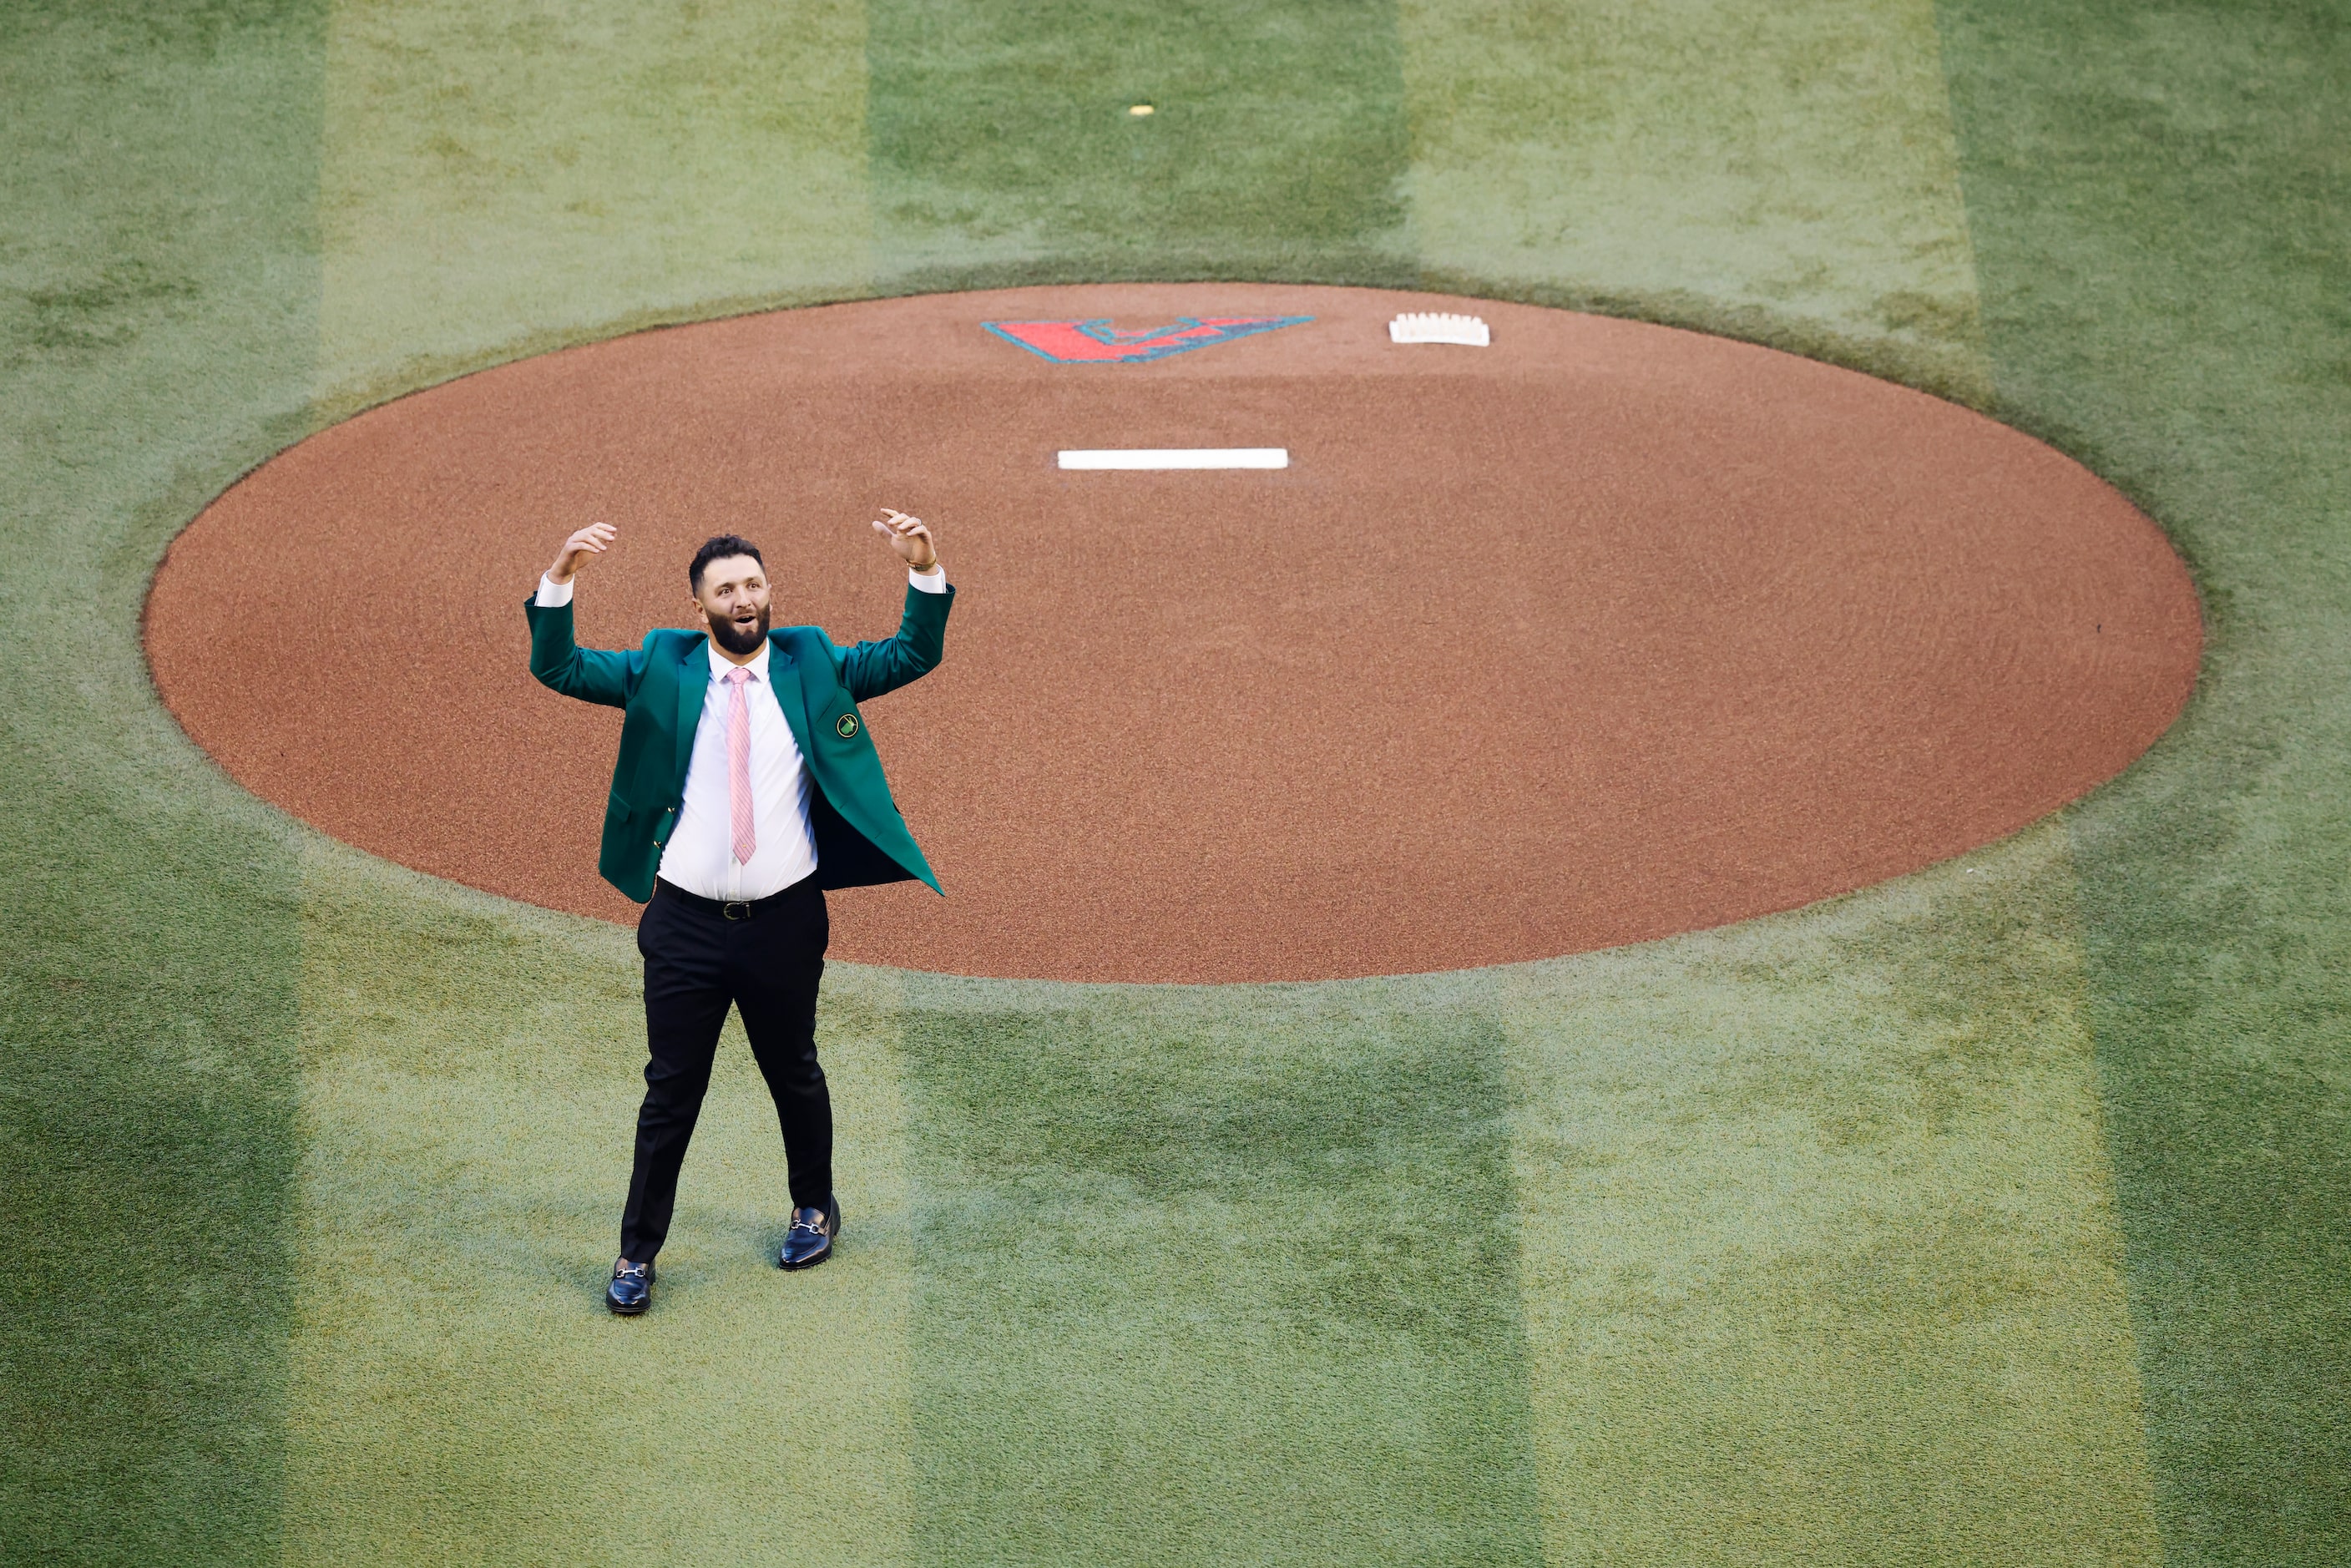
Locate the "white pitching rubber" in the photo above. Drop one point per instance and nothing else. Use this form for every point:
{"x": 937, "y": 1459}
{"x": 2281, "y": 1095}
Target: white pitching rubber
{"x": 1178, "y": 457}
{"x": 1436, "y": 326}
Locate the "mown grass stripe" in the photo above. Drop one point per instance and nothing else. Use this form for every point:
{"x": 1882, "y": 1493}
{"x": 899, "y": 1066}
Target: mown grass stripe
{"x": 1216, "y": 1276}
{"x": 158, "y": 290}
{"x": 460, "y": 1393}
{"x": 1781, "y": 173}
{"x": 1820, "y": 1264}
{"x": 496, "y": 182}
{"x": 1003, "y": 149}
{"x": 502, "y": 179}
{"x": 2157, "y": 201}
{"x": 1820, "y": 1259}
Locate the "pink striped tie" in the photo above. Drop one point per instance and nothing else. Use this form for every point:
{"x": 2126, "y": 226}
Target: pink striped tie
{"x": 738, "y": 768}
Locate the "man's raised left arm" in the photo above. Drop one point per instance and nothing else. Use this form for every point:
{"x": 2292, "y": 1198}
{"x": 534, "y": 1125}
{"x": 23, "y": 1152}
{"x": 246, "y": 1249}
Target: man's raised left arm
{"x": 869, "y": 669}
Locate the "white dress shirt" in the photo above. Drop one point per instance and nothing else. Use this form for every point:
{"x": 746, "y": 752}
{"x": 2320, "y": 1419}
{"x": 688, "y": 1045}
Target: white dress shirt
{"x": 700, "y": 857}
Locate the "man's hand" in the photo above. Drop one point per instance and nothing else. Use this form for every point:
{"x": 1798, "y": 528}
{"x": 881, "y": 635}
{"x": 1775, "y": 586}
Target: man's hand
{"x": 591, "y": 540}
{"x": 910, "y": 538}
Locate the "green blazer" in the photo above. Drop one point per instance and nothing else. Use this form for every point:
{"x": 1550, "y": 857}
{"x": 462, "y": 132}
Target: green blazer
{"x": 861, "y": 839}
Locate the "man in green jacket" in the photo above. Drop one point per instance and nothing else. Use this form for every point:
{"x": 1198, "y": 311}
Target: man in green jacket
{"x": 746, "y": 785}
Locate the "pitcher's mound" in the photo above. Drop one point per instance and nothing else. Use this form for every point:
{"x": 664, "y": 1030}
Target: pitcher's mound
{"x": 1597, "y": 634}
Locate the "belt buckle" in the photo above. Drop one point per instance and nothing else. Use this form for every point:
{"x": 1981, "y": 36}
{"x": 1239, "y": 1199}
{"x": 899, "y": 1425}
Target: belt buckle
{"x": 729, "y": 907}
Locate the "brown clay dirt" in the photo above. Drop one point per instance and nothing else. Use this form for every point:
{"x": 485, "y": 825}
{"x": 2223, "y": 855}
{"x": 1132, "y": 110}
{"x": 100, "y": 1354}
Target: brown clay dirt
{"x": 1602, "y": 632}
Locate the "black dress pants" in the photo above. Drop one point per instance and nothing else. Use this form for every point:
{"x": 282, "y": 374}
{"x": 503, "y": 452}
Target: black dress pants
{"x": 698, "y": 963}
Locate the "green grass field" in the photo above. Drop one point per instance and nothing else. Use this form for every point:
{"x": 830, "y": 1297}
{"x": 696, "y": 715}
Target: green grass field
{"x": 2000, "y": 1214}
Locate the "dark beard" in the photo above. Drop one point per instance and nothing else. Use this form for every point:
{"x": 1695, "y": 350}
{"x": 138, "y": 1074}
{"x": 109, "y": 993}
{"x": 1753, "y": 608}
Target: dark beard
{"x": 737, "y": 639}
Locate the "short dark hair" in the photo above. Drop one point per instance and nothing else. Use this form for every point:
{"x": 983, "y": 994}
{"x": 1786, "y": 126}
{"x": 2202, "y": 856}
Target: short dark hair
{"x": 718, "y": 548}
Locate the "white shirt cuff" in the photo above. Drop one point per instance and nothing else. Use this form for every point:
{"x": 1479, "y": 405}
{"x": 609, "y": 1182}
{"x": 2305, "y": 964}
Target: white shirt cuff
{"x": 932, "y": 581}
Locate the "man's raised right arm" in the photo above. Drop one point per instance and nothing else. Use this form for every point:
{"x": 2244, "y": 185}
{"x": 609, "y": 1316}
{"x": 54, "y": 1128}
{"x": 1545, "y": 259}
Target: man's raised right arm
{"x": 559, "y": 663}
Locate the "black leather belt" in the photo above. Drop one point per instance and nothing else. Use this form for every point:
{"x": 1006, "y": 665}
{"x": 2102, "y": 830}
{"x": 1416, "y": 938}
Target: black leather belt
{"x": 735, "y": 908}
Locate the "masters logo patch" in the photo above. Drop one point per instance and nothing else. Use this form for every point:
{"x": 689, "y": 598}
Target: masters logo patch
{"x": 1097, "y": 342}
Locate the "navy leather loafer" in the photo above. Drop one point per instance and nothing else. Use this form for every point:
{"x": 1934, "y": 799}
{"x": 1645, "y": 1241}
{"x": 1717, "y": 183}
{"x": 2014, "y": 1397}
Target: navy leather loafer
{"x": 810, "y": 1240}
{"x": 632, "y": 1289}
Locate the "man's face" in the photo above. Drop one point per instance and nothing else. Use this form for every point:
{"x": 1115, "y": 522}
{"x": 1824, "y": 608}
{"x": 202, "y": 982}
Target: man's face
{"x": 734, "y": 599}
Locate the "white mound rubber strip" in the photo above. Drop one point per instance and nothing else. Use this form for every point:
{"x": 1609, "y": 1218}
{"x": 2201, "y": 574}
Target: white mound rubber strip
{"x": 1177, "y": 457}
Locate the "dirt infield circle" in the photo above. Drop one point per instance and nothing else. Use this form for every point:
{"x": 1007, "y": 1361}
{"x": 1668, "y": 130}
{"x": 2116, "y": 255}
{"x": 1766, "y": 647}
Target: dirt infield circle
{"x": 1599, "y": 633}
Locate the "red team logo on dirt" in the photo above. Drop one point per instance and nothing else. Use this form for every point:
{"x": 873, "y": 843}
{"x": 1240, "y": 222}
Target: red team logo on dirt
{"x": 1097, "y": 342}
